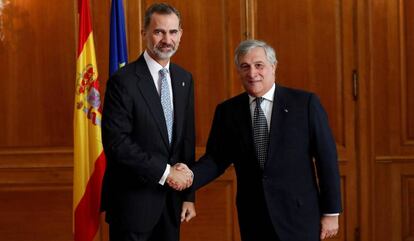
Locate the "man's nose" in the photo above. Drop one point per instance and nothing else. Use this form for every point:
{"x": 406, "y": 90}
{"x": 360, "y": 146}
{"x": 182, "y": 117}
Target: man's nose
{"x": 252, "y": 72}
{"x": 166, "y": 38}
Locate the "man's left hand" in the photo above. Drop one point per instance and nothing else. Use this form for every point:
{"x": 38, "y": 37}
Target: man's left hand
{"x": 329, "y": 226}
{"x": 188, "y": 211}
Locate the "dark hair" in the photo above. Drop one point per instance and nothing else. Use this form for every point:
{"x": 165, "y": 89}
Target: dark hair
{"x": 160, "y": 8}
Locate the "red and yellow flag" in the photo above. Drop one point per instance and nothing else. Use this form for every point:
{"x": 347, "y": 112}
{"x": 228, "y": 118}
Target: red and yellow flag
{"x": 89, "y": 159}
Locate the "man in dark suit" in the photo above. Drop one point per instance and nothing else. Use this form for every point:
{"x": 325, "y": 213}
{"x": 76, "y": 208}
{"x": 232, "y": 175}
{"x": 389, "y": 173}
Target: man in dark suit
{"x": 271, "y": 134}
{"x": 148, "y": 138}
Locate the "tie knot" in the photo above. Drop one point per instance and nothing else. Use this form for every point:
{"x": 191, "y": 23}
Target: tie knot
{"x": 163, "y": 72}
{"x": 259, "y": 101}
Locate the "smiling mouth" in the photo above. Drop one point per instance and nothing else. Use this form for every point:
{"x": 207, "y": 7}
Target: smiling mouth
{"x": 254, "y": 81}
{"x": 168, "y": 47}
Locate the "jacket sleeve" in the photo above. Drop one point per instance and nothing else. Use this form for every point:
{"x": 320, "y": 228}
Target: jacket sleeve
{"x": 323, "y": 148}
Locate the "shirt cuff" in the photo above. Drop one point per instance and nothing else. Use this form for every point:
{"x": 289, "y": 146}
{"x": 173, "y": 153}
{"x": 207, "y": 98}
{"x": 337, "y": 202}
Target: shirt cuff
{"x": 331, "y": 214}
{"x": 165, "y": 175}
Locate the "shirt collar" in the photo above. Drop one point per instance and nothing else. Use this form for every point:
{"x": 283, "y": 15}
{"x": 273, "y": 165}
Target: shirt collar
{"x": 269, "y": 95}
{"x": 154, "y": 65}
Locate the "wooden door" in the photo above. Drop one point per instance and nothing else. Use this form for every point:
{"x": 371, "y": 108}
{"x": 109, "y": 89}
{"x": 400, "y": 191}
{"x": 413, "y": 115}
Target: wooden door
{"x": 314, "y": 43}
{"x": 391, "y": 88}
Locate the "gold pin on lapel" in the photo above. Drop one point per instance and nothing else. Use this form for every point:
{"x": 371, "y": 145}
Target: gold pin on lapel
{"x": 286, "y": 110}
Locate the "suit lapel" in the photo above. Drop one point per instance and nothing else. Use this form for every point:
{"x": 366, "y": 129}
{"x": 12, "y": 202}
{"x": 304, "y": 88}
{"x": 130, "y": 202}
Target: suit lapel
{"x": 148, "y": 90}
{"x": 245, "y": 123}
{"x": 279, "y": 112}
{"x": 179, "y": 88}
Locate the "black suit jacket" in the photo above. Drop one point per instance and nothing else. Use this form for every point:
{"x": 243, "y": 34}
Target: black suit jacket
{"x": 135, "y": 141}
{"x": 299, "y": 132}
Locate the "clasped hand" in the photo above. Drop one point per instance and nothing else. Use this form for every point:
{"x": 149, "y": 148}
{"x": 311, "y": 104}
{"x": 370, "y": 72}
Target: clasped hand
{"x": 180, "y": 177}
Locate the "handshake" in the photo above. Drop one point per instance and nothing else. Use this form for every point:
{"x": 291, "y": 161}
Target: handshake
{"x": 180, "y": 177}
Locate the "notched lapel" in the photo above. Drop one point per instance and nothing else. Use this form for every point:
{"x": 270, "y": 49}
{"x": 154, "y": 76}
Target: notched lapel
{"x": 245, "y": 122}
{"x": 180, "y": 87}
{"x": 279, "y": 112}
{"x": 147, "y": 88}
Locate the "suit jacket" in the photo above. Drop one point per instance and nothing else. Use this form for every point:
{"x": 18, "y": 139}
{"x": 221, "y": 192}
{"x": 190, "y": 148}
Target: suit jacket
{"x": 135, "y": 142}
{"x": 299, "y": 134}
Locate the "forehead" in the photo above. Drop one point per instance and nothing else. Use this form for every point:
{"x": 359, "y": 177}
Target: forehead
{"x": 166, "y": 21}
{"x": 254, "y": 55}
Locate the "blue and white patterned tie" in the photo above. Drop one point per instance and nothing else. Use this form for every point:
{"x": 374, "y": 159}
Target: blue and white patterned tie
{"x": 166, "y": 102}
{"x": 260, "y": 133}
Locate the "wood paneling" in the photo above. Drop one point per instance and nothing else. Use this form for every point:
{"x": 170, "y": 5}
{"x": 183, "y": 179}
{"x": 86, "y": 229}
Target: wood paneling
{"x": 391, "y": 86}
{"x": 394, "y": 200}
{"x": 216, "y": 216}
{"x": 407, "y": 211}
{"x": 37, "y": 65}
{"x": 36, "y": 214}
{"x": 36, "y": 194}
{"x": 407, "y": 66}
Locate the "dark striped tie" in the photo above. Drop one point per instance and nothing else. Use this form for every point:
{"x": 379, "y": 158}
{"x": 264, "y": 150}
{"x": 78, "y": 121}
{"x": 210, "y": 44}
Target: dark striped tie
{"x": 260, "y": 133}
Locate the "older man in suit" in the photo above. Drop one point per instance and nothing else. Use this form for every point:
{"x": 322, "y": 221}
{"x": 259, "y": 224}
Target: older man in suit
{"x": 272, "y": 134}
{"x": 148, "y": 132}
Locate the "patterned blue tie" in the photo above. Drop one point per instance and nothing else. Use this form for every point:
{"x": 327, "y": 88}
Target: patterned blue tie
{"x": 260, "y": 133}
{"x": 166, "y": 102}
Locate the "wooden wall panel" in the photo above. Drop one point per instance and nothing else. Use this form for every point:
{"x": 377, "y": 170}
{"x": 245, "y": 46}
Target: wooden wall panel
{"x": 36, "y": 194}
{"x": 407, "y": 218}
{"x": 392, "y": 78}
{"x": 394, "y": 200}
{"x": 391, "y": 86}
{"x": 37, "y": 65}
{"x": 216, "y": 216}
{"x": 36, "y": 214}
{"x": 407, "y": 66}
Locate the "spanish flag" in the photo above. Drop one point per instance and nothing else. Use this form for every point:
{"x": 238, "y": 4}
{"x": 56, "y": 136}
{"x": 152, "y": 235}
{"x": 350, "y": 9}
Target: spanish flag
{"x": 89, "y": 159}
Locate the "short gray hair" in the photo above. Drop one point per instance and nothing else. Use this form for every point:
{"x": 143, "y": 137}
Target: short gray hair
{"x": 247, "y": 45}
{"x": 160, "y": 8}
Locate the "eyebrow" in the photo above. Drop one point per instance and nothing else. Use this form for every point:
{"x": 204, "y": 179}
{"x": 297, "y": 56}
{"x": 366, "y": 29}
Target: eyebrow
{"x": 163, "y": 30}
{"x": 256, "y": 62}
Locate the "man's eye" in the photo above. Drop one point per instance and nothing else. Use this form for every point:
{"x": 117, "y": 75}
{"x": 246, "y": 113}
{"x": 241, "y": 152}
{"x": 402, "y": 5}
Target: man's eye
{"x": 259, "y": 66}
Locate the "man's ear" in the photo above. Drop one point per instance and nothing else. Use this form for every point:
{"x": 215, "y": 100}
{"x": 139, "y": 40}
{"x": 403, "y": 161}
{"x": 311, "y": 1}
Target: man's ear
{"x": 143, "y": 33}
{"x": 274, "y": 68}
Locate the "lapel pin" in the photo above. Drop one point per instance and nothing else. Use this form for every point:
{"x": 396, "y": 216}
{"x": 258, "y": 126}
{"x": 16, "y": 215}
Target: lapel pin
{"x": 286, "y": 110}
{"x": 183, "y": 84}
